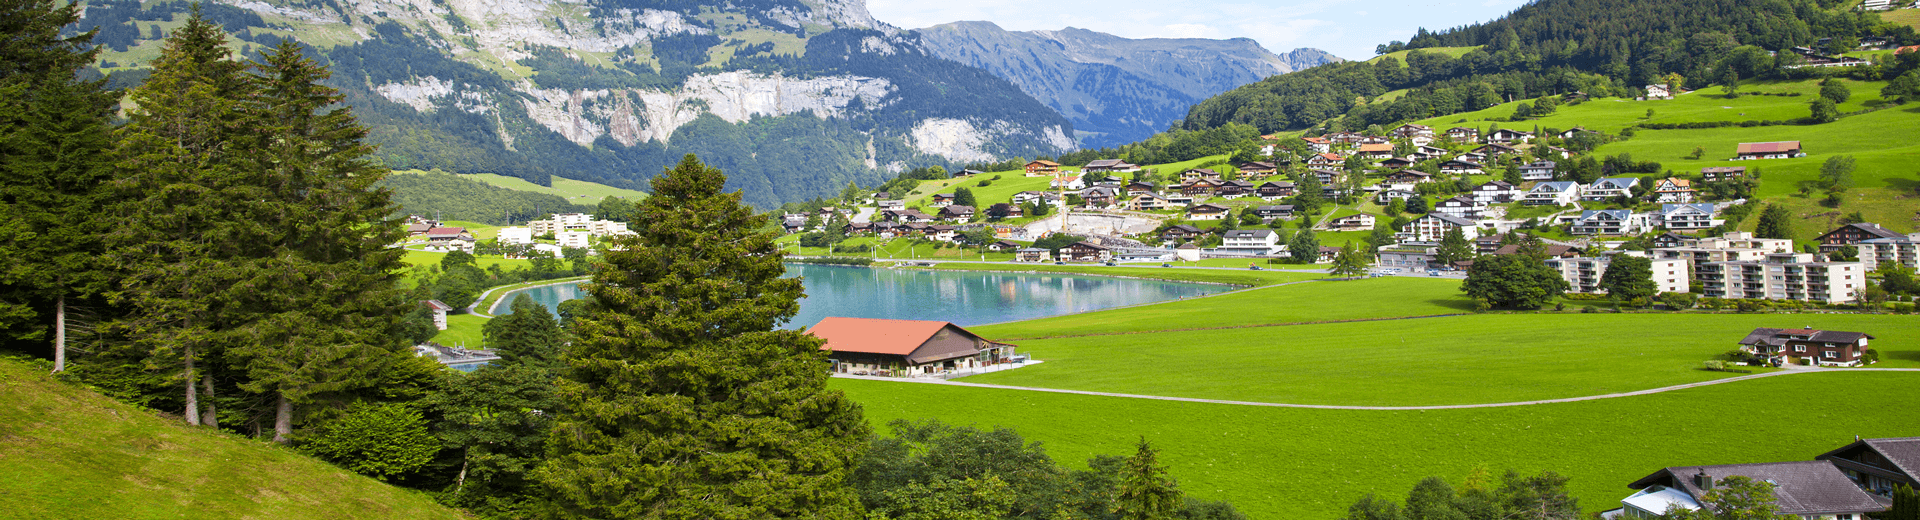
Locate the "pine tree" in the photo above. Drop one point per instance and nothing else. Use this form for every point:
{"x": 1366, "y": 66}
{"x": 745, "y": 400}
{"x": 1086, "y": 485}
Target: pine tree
{"x": 53, "y": 169}
{"x": 1775, "y": 222}
{"x": 1454, "y": 247}
{"x": 1906, "y": 504}
{"x": 1351, "y": 262}
{"x": 682, "y": 399}
{"x": 529, "y": 335}
{"x": 1628, "y": 278}
{"x": 1304, "y": 247}
{"x": 1145, "y": 491}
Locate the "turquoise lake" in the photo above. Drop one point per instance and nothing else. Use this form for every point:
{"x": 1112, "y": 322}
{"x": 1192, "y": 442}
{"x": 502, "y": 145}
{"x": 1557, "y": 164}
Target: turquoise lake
{"x": 961, "y": 297}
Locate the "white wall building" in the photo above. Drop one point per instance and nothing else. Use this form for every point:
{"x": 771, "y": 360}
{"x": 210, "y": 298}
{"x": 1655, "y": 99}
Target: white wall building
{"x": 572, "y": 238}
{"x": 516, "y": 235}
{"x": 1784, "y": 276}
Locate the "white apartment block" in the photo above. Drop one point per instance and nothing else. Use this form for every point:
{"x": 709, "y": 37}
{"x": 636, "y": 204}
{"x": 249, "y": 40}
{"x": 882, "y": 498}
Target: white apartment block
{"x": 1903, "y": 251}
{"x": 1784, "y": 276}
{"x": 582, "y": 222}
{"x": 577, "y": 239}
{"x": 1583, "y": 274}
{"x": 516, "y": 235}
{"x": 1732, "y": 247}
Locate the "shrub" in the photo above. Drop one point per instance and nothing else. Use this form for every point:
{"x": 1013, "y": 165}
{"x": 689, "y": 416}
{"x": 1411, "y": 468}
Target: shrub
{"x": 1873, "y": 356}
{"x": 379, "y": 440}
{"x": 985, "y": 182}
{"x": 1715, "y": 364}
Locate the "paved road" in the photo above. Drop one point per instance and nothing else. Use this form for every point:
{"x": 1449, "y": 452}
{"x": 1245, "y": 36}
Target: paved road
{"x": 1390, "y": 408}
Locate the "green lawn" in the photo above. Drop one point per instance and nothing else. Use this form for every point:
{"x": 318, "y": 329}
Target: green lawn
{"x": 1300, "y": 303}
{"x": 462, "y": 330}
{"x": 1908, "y": 17}
{"x": 1305, "y": 463}
{"x": 1421, "y": 362}
{"x": 1451, "y": 52}
{"x": 67, "y": 452}
{"x": 1708, "y": 104}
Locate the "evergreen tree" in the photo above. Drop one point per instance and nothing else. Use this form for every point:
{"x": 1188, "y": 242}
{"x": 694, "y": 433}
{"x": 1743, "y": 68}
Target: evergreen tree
{"x": 1304, "y": 247}
{"x": 963, "y": 197}
{"x": 529, "y": 335}
{"x": 1417, "y": 205}
{"x": 54, "y": 167}
{"x": 1146, "y": 492}
{"x": 1454, "y": 247}
{"x": 682, "y": 399}
{"x": 1351, "y": 262}
{"x": 1513, "y": 281}
{"x": 1629, "y": 278}
{"x": 1775, "y": 222}
{"x": 1906, "y": 504}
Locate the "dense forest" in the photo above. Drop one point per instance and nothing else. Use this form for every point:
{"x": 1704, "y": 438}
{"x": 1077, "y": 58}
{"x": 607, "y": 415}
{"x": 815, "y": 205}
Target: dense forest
{"x": 1602, "y": 47}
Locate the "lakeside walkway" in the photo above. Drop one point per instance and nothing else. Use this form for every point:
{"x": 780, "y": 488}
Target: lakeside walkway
{"x": 1802, "y": 370}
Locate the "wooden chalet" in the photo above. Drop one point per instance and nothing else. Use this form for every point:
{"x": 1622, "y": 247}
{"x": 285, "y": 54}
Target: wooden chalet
{"x": 1274, "y": 190}
{"x": 1722, "y": 173}
{"x": 1773, "y": 150}
{"x": 1257, "y": 168}
{"x": 905, "y": 348}
{"x": 1207, "y": 212}
{"x": 1037, "y": 168}
{"x": 1085, "y": 252}
{"x": 1879, "y": 465}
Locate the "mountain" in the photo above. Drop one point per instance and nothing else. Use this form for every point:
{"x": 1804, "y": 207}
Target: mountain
{"x": 1115, "y": 90}
{"x": 792, "y": 98}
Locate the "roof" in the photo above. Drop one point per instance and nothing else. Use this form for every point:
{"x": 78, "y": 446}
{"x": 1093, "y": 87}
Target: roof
{"x": 1498, "y": 185}
{"x": 1460, "y": 162}
{"x": 1044, "y": 163}
{"x": 1314, "y": 140}
{"x": 1662, "y": 500}
{"x": 448, "y": 232}
{"x": 1209, "y": 205}
{"x": 1869, "y": 228}
{"x": 1088, "y": 245}
{"x": 1773, "y": 147}
{"x": 1554, "y": 186}
{"x": 1553, "y": 250}
{"x": 1416, "y": 173}
{"x": 1282, "y": 207}
{"x": 1184, "y": 227}
{"x": 1249, "y": 233}
{"x": 1800, "y": 487}
{"x": 1608, "y": 214}
{"x": 1382, "y": 147}
{"x": 1618, "y": 183}
{"x": 1329, "y": 156}
{"x": 1701, "y": 207}
{"x": 1277, "y": 184}
{"x": 1778, "y": 337}
{"x": 1903, "y": 452}
{"x": 1102, "y": 163}
{"x": 1450, "y": 219}
{"x": 1679, "y": 183}
{"x": 1188, "y": 245}
{"x": 437, "y": 305}
{"x": 875, "y": 336}
{"x": 1724, "y": 169}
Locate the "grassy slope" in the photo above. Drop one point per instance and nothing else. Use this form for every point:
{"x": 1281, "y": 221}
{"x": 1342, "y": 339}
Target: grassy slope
{"x": 1300, "y": 463}
{"x": 577, "y": 192}
{"x": 66, "y": 452}
{"x": 1452, "y": 52}
{"x": 1910, "y": 17}
{"x": 1302, "y": 303}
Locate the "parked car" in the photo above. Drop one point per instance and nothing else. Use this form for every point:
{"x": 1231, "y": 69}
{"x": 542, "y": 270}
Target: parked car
{"x": 1166, "y": 265}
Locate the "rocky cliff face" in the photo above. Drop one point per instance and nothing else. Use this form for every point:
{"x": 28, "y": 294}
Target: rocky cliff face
{"x": 1115, "y": 90}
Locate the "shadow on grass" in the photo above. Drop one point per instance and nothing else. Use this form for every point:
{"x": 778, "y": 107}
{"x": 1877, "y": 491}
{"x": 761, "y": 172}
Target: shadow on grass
{"x": 1459, "y": 304}
{"x": 1903, "y": 355}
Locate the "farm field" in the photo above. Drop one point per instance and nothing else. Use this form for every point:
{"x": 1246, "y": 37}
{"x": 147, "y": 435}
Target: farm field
{"x": 1300, "y": 303}
{"x": 1473, "y": 359}
{"x": 1306, "y": 463}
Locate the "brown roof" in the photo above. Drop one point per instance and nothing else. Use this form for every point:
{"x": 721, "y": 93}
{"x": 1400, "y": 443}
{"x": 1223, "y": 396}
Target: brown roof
{"x": 1799, "y": 488}
{"x": 1382, "y": 147}
{"x": 875, "y": 336}
{"x": 1773, "y": 147}
{"x": 1045, "y": 163}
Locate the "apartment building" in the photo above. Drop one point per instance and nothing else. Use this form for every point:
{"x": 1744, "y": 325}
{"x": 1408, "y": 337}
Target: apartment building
{"x": 1784, "y": 276}
{"x": 580, "y": 222}
{"x": 1583, "y": 273}
{"x": 1904, "y": 251}
{"x": 1731, "y": 247}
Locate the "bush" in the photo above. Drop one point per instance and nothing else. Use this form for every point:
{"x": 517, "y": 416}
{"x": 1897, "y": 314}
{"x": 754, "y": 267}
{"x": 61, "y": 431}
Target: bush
{"x": 1715, "y": 364}
{"x": 985, "y": 182}
{"x": 1872, "y": 356}
{"x": 379, "y": 440}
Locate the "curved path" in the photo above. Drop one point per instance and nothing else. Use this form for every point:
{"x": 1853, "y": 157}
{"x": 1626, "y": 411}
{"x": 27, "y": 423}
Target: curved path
{"x": 1389, "y": 408}
{"x": 510, "y": 288}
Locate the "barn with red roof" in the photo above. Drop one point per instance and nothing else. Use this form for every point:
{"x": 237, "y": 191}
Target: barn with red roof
{"x": 906, "y": 348}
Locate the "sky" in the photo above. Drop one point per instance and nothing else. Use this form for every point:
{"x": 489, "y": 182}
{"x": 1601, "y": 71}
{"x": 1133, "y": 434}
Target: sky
{"x": 1348, "y": 28}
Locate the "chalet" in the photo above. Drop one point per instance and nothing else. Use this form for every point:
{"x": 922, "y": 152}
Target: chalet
{"x": 1508, "y": 136}
{"x": 1804, "y": 489}
{"x": 1318, "y": 144}
{"x": 1658, "y": 92}
{"x": 1179, "y": 199}
{"x": 1428, "y": 152}
{"x": 1879, "y": 465}
{"x": 890, "y": 204}
{"x": 791, "y": 223}
{"x": 1032, "y": 254}
{"x": 905, "y": 216}
{"x": 1538, "y": 171}
{"x": 439, "y": 310}
{"x": 1099, "y": 196}
{"x": 1687, "y": 217}
{"x": 1235, "y": 189}
{"x": 905, "y": 348}
{"x": 1357, "y": 222}
{"x": 1457, "y": 166}
{"x": 1200, "y": 188}
{"x": 1256, "y": 242}
{"x": 1325, "y": 177}
{"x": 1345, "y": 138}
{"x": 1496, "y": 150}
{"x": 1773, "y": 150}
{"x": 1609, "y": 187}
{"x": 1085, "y": 252}
{"x": 966, "y": 173}
{"x": 414, "y": 230}
{"x": 1268, "y": 213}
{"x": 1039, "y": 168}
{"x": 940, "y": 200}
{"x": 942, "y": 233}
{"x": 1419, "y": 134}
{"x": 1673, "y": 190}
{"x": 1461, "y": 134}
{"x": 1374, "y": 151}
{"x": 1569, "y": 133}
{"x": 1326, "y": 159}
{"x": 1398, "y": 163}
{"x": 1005, "y": 210}
{"x": 1496, "y": 192}
{"x": 1610, "y": 222}
{"x": 1472, "y": 157}
{"x": 1386, "y": 196}
{"x": 1671, "y": 239}
{"x": 1722, "y": 173}
{"x": 1110, "y": 166}
{"x": 1434, "y": 226}
{"x": 1374, "y": 139}
{"x": 1028, "y": 197}
{"x": 1461, "y": 206}
{"x": 449, "y": 239}
{"x": 1257, "y": 168}
{"x": 1199, "y": 174}
{"x": 1851, "y": 234}
{"x": 1068, "y": 182}
{"x": 1005, "y": 245}
{"x": 1327, "y": 255}
{"x": 1149, "y": 202}
{"x": 1207, "y": 212}
{"x": 1408, "y": 177}
{"x": 1827, "y": 347}
{"x": 1274, "y": 190}
{"x": 1138, "y": 188}
{"x": 1181, "y": 232}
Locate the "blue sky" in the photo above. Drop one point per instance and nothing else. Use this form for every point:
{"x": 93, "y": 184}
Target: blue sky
{"x": 1348, "y": 28}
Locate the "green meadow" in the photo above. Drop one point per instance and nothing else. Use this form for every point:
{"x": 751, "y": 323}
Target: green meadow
{"x": 578, "y": 192}
{"x": 1386, "y": 297}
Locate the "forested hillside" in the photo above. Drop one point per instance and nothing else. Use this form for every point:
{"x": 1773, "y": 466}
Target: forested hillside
{"x": 1602, "y": 47}
{"x": 447, "y": 197}
{"x": 794, "y": 98}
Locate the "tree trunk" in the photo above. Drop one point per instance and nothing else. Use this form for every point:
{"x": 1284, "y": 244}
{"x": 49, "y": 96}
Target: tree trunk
{"x": 60, "y": 333}
{"x": 209, "y": 417}
{"x": 460, "y": 482}
{"x": 193, "y": 400}
{"x": 283, "y": 421}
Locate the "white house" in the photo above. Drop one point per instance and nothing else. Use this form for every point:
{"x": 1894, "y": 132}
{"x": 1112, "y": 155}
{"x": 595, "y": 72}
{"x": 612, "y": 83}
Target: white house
{"x": 516, "y": 235}
{"x": 1673, "y": 190}
{"x": 1496, "y": 192}
{"x": 1505, "y": 136}
{"x": 1249, "y": 242}
{"x": 1611, "y": 222}
{"x": 1071, "y": 182}
{"x": 1357, "y": 222}
{"x": 1461, "y": 206}
{"x": 1610, "y": 187}
{"x": 1538, "y": 171}
{"x": 1687, "y": 217}
{"x": 1434, "y": 226}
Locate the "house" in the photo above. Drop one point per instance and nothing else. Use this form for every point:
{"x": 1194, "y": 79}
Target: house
{"x": 1558, "y": 193}
{"x": 1428, "y": 152}
{"x": 1234, "y": 189}
{"x": 1005, "y": 245}
{"x": 1110, "y": 181}
{"x": 1673, "y": 190}
{"x": 1538, "y": 171}
{"x": 1610, "y": 222}
{"x": 1200, "y": 188}
{"x": 1879, "y": 465}
{"x": 1407, "y": 256}
{"x": 905, "y": 216}
{"x": 956, "y": 212}
{"x": 1610, "y": 187}
{"x": 1722, "y": 173}
{"x": 966, "y": 173}
{"x": 1783, "y": 276}
{"x": 1461, "y": 206}
{"x": 1198, "y": 174}
{"x": 905, "y": 348}
{"x": 1327, "y": 255}
{"x": 414, "y": 230}
{"x": 449, "y": 239}
{"x": 1111, "y": 165}
{"x": 1207, "y": 212}
{"x": 1462, "y": 134}
{"x": 1374, "y": 151}
{"x": 791, "y": 223}
{"x": 1032, "y": 254}
{"x": 1039, "y": 168}
{"x": 1398, "y": 163}
{"x": 1569, "y": 133}
{"x": 1268, "y": 213}
{"x": 1137, "y": 188}
{"x": 1496, "y": 192}
{"x": 1252, "y": 242}
{"x": 890, "y": 204}
{"x": 1495, "y": 150}
{"x": 1408, "y": 177}
{"x": 1804, "y": 489}
{"x": 562, "y": 222}
{"x": 1418, "y": 134}
{"x": 1149, "y": 202}
{"x": 1773, "y": 150}
{"x": 1562, "y": 153}
{"x": 1472, "y": 157}
{"x": 1099, "y": 196}
{"x": 1687, "y": 217}
{"x": 1434, "y": 226}
{"x": 1318, "y": 144}
{"x": 1187, "y": 252}
{"x": 1508, "y": 136}
{"x": 940, "y": 200}
{"x": 1358, "y": 222}
{"x": 1851, "y": 234}
{"x": 1325, "y": 177}
{"x": 1458, "y": 166}
{"x": 1345, "y": 138}
{"x": 1374, "y": 139}
{"x": 439, "y": 310}
{"x": 1179, "y": 199}
{"x": 1386, "y": 196}
{"x": 1005, "y": 210}
{"x": 1826, "y": 347}
{"x": 1085, "y": 252}
{"x": 1257, "y": 168}
{"x": 1274, "y": 190}
{"x": 1181, "y": 233}
{"x": 1671, "y": 239}
{"x": 1326, "y": 159}
{"x": 1658, "y": 92}
{"x": 1068, "y": 182}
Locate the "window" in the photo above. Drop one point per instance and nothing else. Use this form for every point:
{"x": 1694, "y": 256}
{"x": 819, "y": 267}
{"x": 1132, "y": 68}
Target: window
{"x": 1828, "y": 354}
{"x": 1799, "y": 348}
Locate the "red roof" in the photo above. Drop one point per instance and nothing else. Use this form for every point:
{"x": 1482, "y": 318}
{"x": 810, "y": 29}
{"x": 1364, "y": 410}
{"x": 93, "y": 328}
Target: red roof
{"x": 875, "y": 336}
{"x": 1382, "y": 147}
{"x": 446, "y": 231}
{"x": 1774, "y": 147}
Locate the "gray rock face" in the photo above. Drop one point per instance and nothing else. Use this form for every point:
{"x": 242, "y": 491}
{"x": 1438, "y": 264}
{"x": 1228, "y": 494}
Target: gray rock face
{"x": 1115, "y": 90}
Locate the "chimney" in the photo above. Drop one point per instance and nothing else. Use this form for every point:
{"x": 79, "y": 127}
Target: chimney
{"x": 1702, "y": 481}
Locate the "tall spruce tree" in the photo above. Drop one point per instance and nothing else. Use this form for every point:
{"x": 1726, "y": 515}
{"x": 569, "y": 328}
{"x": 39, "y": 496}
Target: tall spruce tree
{"x": 682, "y": 399}
{"x": 1145, "y": 491}
{"x": 53, "y": 170}
{"x": 176, "y": 235}
{"x": 1775, "y": 222}
{"x": 323, "y": 288}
